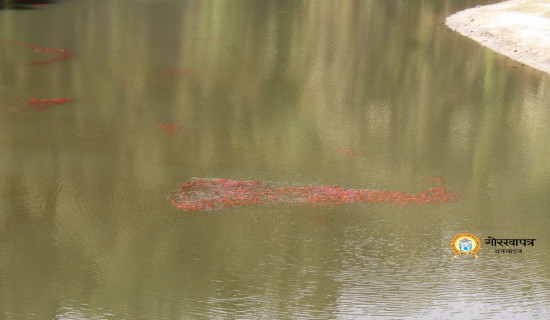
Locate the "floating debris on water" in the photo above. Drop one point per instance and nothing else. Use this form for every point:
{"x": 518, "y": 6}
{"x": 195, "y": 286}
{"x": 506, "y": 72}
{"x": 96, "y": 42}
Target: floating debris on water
{"x": 208, "y": 194}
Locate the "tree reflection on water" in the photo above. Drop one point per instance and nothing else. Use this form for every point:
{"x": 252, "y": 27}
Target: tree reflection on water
{"x": 272, "y": 90}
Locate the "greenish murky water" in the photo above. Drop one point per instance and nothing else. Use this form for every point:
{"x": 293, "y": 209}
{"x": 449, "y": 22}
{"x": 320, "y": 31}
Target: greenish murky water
{"x": 272, "y": 90}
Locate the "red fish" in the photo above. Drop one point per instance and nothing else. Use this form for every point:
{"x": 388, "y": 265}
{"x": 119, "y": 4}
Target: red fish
{"x": 40, "y": 104}
{"x": 60, "y": 54}
{"x": 168, "y": 128}
{"x": 349, "y": 152}
{"x": 35, "y": 104}
{"x": 207, "y": 194}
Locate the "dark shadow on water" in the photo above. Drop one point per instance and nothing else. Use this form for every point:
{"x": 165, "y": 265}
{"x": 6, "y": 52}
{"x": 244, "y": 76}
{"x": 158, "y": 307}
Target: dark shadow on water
{"x": 25, "y": 4}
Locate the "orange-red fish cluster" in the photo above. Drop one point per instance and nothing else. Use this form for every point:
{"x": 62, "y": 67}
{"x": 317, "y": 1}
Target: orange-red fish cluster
{"x": 168, "y": 128}
{"x": 40, "y": 104}
{"x": 36, "y": 104}
{"x": 207, "y": 194}
{"x": 349, "y": 152}
{"x": 59, "y": 54}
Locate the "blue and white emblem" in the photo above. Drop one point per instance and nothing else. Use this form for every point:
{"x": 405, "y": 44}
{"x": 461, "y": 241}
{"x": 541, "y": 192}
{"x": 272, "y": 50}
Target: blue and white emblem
{"x": 465, "y": 245}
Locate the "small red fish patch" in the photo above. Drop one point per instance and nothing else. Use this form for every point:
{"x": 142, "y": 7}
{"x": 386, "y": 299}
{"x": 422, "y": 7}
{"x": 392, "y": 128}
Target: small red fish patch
{"x": 168, "y": 128}
{"x": 35, "y": 104}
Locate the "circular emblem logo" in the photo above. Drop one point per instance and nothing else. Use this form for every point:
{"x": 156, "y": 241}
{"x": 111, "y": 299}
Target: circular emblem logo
{"x": 464, "y": 244}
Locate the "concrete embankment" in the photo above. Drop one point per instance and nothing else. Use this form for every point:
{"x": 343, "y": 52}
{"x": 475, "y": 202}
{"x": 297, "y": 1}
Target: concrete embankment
{"x": 519, "y": 29}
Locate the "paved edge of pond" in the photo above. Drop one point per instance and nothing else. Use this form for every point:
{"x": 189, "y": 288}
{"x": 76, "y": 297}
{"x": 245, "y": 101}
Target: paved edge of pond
{"x": 518, "y": 29}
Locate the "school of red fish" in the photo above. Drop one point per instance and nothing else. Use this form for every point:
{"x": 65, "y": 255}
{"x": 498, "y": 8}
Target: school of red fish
{"x": 168, "y": 128}
{"x": 349, "y": 152}
{"x": 208, "y": 194}
{"x": 59, "y": 54}
{"x": 35, "y": 104}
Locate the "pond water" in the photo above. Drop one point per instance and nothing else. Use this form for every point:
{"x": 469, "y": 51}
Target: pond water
{"x": 370, "y": 94}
